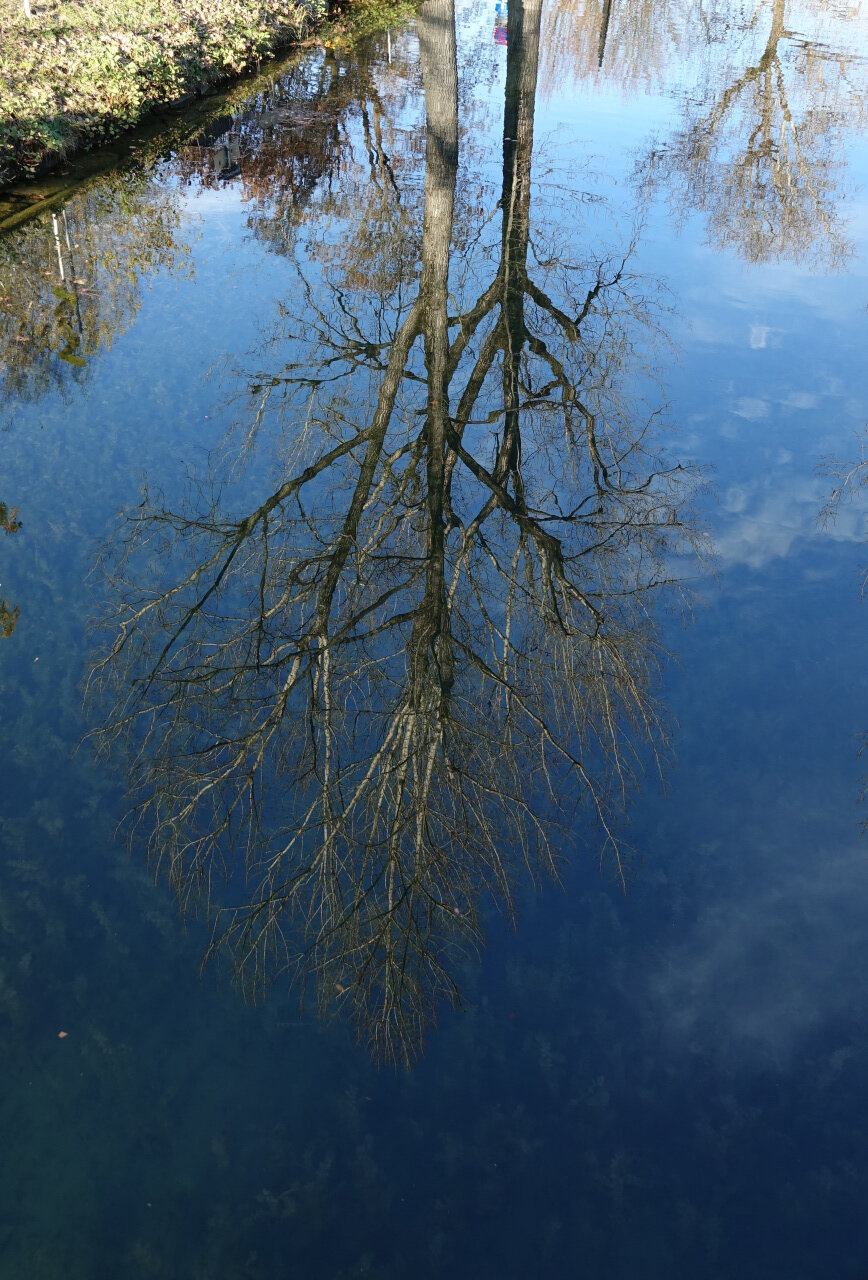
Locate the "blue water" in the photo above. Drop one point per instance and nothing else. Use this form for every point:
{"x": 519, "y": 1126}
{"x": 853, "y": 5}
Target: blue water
{"x": 668, "y": 1079}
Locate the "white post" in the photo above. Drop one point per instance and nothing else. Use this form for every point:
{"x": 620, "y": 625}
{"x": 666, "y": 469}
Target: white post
{"x": 59, "y": 251}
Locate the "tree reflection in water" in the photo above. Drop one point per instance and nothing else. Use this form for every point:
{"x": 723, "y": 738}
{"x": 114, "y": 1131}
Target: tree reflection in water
{"x": 763, "y": 154}
{"x": 368, "y": 701}
{"x": 72, "y": 282}
{"x": 761, "y": 149}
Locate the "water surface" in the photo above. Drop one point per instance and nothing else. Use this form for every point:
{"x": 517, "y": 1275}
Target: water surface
{"x": 424, "y": 535}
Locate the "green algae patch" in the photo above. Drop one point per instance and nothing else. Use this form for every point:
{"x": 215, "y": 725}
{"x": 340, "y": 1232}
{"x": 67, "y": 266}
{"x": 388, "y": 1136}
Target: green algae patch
{"x": 78, "y": 74}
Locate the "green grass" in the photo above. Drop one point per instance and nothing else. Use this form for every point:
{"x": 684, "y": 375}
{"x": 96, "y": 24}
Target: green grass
{"x": 80, "y": 72}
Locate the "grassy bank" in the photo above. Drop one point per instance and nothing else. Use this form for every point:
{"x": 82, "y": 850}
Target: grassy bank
{"x": 79, "y": 72}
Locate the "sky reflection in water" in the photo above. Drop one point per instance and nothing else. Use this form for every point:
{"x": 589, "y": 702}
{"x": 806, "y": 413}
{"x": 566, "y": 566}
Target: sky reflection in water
{"x": 668, "y": 1082}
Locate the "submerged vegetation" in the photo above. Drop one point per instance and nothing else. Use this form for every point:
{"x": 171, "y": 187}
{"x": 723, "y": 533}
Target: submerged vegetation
{"x": 9, "y": 613}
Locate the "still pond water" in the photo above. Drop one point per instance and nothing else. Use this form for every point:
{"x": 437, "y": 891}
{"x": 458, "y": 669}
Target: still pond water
{"x": 431, "y": 581}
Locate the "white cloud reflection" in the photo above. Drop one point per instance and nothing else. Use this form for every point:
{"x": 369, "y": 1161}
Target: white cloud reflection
{"x": 757, "y": 975}
{"x": 756, "y": 523}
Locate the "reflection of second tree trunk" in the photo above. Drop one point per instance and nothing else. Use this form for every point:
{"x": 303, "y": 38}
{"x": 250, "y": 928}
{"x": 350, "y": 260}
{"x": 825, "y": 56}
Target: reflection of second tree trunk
{"x": 389, "y": 964}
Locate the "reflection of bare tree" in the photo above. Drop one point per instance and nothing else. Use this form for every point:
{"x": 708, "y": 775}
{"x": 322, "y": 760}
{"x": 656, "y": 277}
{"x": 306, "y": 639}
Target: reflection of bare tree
{"x": 294, "y": 140}
{"x": 384, "y": 681}
{"x": 850, "y": 480}
{"x": 766, "y": 107}
{"x": 764, "y": 159}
